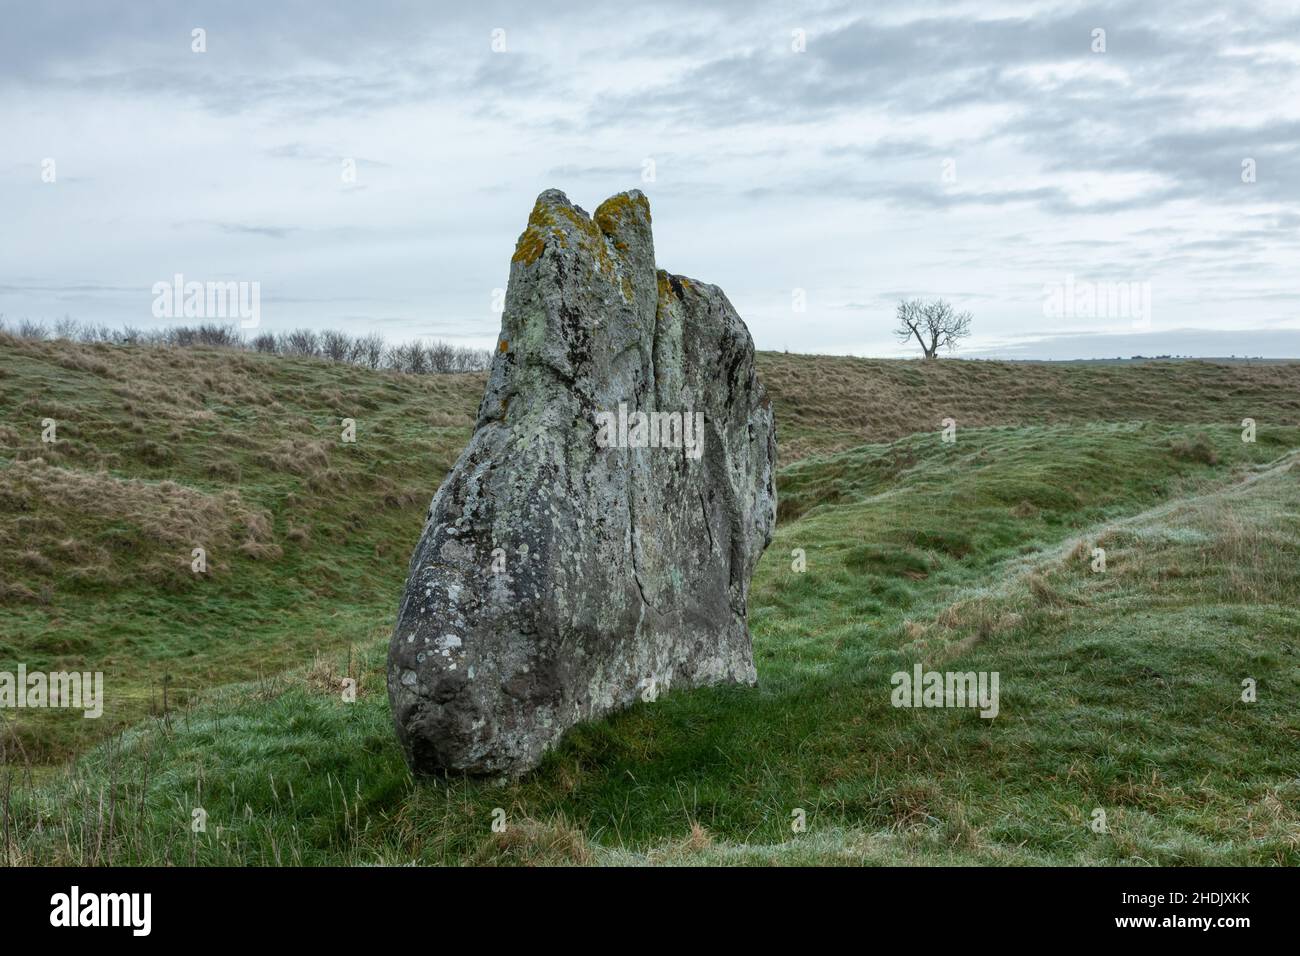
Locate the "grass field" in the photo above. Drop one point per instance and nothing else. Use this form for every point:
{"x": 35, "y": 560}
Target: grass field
{"x": 1120, "y": 690}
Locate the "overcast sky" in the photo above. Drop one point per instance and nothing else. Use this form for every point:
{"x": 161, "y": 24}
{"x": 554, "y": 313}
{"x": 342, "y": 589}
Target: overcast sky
{"x": 838, "y": 155}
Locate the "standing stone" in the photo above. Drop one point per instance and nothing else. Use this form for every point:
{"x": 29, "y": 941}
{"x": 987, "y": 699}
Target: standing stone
{"x": 562, "y": 574}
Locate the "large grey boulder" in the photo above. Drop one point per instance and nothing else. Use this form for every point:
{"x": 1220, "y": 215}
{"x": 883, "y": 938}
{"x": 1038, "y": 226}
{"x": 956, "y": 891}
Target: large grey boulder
{"x": 578, "y": 558}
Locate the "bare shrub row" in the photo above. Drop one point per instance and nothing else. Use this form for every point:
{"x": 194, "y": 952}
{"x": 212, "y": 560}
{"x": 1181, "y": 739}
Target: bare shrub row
{"x": 368, "y": 351}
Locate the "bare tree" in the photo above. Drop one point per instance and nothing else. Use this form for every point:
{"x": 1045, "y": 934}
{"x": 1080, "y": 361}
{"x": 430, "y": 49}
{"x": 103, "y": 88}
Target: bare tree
{"x": 304, "y": 342}
{"x": 265, "y": 342}
{"x": 411, "y": 357}
{"x": 934, "y": 325}
{"x": 335, "y": 345}
{"x": 369, "y": 350}
{"x": 217, "y": 335}
{"x": 27, "y": 329}
{"x": 442, "y": 357}
{"x": 67, "y": 328}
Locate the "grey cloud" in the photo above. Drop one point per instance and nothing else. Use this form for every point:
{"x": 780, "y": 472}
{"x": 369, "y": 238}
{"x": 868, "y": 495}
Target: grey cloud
{"x": 313, "y": 154}
{"x": 775, "y": 168}
{"x": 245, "y": 229}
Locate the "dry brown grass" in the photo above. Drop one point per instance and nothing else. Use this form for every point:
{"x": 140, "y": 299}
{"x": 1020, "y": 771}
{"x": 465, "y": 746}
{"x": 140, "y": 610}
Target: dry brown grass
{"x": 971, "y": 621}
{"x": 529, "y": 842}
{"x": 1256, "y": 559}
{"x": 698, "y": 840}
{"x": 1044, "y": 592}
{"x": 1274, "y": 816}
{"x": 306, "y": 457}
{"x": 326, "y": 674}
{"x": 167, "y": 512}
{"x": 151, "y": 381}
{"x": 160, "y": 522}
{"x": 829, "y": 403}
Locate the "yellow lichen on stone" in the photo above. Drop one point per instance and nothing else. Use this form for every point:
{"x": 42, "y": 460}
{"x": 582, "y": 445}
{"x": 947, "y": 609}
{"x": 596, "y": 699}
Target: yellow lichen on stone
{"x": 671, "y": 287}
{"x": 665, "y": 288}
{"x": 592, "y": 235}
{"x": 593, "y": 242}
{"x": 667, "y": 294}
{"x": 581, "y": 222}
{"x": 617, "y": 208}
{"x": 533, "y": 239}
{"x": 529, "y": 247}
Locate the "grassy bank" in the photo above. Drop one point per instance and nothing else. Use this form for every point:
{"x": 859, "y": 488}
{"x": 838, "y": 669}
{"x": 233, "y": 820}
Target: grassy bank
{"x": 1120, "y": 690}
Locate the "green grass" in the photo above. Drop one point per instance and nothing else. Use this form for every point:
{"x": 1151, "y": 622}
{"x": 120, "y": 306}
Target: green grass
{"x": 1119, "y": 691}
{"x": 306, "y": 537}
